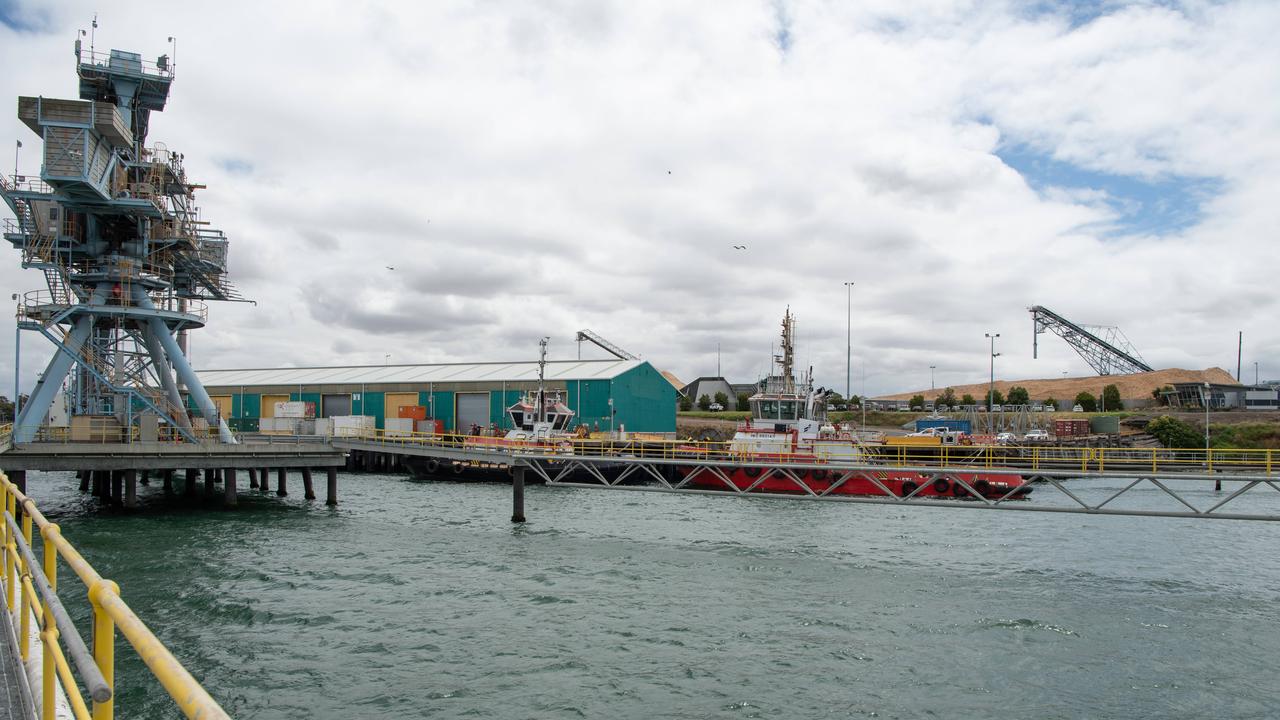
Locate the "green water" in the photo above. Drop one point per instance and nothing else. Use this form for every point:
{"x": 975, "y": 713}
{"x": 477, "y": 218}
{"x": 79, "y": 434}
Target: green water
{"x": 422, "y": 600}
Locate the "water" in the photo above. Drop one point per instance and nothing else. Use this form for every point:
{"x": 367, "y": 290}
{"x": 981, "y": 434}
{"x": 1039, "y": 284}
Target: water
{"x": 422, "y": 600}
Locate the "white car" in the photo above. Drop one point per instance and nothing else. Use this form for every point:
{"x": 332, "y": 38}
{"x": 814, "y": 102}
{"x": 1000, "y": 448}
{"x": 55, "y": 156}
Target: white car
{"x": 1036, "y": 435}
{"x": 1076, "y": 408}
{"x": 715, "y": 407}
{"x": 1005, "y": 438}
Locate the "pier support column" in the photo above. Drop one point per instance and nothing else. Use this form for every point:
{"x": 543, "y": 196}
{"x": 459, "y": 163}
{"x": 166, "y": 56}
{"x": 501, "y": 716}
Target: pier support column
{"x": 253, "y": 479}
{"x": 331, "y": 496}
{"x": 117, "y": 486}
{"x": 282, "y": 475}
{"x": 131, "y": 489}
{"x": 229, "y": 488}
{"x": 189, "y": 484}
{"x": 264, "y": 479}
{"x": 517, "y": 493}
{"x": 83, "y": 477}
{"x": 308, "y": 491}
{"x": 208, "y": 482}
{"x": 146, "y": 477}
{"x": 167, "y": 478}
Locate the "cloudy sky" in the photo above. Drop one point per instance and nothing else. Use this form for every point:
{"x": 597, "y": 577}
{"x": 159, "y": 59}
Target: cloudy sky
{"x": 531, "y": 169}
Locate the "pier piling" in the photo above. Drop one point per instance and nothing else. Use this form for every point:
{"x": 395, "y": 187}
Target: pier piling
{"x": 282, "y": 475}
{"x": 517, "y": 493}
{"x": 332, "y": 489}
{"x": 208, "y": 482}
{"x": 131, "y": 489}
{"x": 116, "y": 489}
{"x": 253, "y": 479}
{"x": 264, "y": 479}
{"x": 167, "y": 478}
{"x": 229, "y": 488}
{"x": 83, "y": 476}
{"x": 189, "y": 486}
{"x": 308, "y": 491}
{"x": 146, "y": 477}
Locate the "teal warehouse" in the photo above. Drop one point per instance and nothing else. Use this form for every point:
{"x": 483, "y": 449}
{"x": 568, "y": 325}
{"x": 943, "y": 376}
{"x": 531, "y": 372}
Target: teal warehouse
{"x": 604, "y": 394}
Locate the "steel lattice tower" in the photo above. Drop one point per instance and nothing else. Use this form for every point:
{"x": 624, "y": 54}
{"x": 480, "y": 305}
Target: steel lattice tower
{"x": 113, "y": 225}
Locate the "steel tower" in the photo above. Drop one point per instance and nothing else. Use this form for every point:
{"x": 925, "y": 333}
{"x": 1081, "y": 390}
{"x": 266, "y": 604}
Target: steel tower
{"x": 113, "y": 225}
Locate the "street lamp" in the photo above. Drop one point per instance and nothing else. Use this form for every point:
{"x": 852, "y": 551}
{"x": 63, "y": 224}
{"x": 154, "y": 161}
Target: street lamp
{"x": 848, "y": 339}
{"x": 991, "y": 388}
{"x": 931, "y": 384}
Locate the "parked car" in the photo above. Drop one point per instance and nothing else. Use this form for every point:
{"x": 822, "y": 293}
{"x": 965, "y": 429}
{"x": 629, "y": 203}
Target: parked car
{"x": 1036, "y": 434}
{"x": 1050, "y": 408}
{"x": 1005, "y": 438}
{"x": 715, "y": 407}
{"x": 1077, "y": 408}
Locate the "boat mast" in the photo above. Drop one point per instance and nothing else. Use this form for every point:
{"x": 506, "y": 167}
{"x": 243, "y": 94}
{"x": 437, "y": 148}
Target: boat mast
{"x": 542, "y": 364}
{"x": 788, "y": 351}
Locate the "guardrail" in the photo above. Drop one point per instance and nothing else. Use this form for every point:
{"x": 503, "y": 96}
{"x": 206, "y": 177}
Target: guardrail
{"x": 38, "y": 600}
{"x": 1029, "y": 457}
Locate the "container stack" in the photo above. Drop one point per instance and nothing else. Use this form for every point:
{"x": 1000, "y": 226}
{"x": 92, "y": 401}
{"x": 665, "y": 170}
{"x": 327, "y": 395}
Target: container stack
{"x": 1071, "y": 428}
{"x": 352, "y": 425}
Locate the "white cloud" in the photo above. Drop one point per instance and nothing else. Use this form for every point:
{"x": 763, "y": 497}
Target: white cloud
{"x": 535, "y": 169}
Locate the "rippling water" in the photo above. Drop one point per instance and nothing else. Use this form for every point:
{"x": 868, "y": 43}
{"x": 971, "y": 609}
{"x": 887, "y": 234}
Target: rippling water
{"x": 422, "y": 600}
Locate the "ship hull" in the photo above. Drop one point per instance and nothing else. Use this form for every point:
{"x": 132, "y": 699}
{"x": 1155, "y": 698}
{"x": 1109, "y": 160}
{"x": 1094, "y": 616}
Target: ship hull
{"x": 896, "y": 483}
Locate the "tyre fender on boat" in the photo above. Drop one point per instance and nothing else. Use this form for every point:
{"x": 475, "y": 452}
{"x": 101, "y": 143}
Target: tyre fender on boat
{"x": 751, "y": 470}
{"x": 432, "y": 466}
{"x": 983, "y": 487}
{"x": 941, "y": 486}
{"x": 819, "y": 474}
{"x": 958, "y": 489}
{"x": 909, "y": 487}
{"x": 457, "y": 468}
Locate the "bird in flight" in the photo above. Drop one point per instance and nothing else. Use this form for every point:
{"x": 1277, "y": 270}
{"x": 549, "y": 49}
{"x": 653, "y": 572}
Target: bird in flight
{"x": 390, "y": 268}
{"x": 739, "y": 247}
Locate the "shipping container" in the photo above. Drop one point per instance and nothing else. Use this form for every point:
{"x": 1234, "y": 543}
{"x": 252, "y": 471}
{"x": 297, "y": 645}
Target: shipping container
{"x": 352, "y": 425}
{"x": 398, "y": 427}
{"x": 963, "y": 426}
{"x": 1078, "y": 427}
{"x": 435, "y": 427}
{"x": 1105, "y": 424}
{"x": 412, "y": 412}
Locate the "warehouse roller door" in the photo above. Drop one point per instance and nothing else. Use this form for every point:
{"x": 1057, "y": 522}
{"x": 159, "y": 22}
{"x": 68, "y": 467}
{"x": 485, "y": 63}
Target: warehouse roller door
{"x": 395, "y": 400}
{"x": 472, "y": 409}
{"x": 334, "y": 405}
{"x": 223, "y": 403}
{"x": 269, "y": 404}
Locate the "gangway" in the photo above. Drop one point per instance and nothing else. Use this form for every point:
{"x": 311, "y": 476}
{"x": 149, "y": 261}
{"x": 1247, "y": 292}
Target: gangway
{"x": 1142, "y": 482}
{"x": 1104, "y": 347}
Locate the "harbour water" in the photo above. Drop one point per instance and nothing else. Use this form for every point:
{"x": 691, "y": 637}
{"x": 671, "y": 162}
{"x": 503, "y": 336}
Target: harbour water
{"x": 416, "y": 599}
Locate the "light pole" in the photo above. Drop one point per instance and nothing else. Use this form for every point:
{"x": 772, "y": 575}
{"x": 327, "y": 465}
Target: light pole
{"x": 932, "y": 386}
{"x": 1255, "y": 372}
{"x": 1206, "y": 396}
{"x": 848, "y": 340}
{"x": 991, "y": 388}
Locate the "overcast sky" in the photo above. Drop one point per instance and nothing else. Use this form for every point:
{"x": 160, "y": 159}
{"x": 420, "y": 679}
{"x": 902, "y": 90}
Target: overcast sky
{"x": 532, "y": 169}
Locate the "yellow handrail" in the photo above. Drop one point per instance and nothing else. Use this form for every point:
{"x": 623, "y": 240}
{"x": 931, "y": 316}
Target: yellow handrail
{"x": 109, "y": 612}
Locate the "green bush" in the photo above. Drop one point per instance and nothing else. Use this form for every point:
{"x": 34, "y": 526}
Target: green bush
{"x": 1174, "y": 433}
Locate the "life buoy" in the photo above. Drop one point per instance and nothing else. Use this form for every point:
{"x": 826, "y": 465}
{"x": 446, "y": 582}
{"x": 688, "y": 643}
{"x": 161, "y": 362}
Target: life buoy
{"x": 457, "y": 468}
{"x": 751, "y": 470}
{"x": 432, "y": 466}
{"x": 909, "y": 487}
{"x": 941, "y": 486}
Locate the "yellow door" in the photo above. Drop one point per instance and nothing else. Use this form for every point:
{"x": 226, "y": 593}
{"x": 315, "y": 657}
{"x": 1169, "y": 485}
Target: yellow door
{"x": 269, "y": 404}
{"x": 395, "y": 400}
{"x": 223, "y": 402}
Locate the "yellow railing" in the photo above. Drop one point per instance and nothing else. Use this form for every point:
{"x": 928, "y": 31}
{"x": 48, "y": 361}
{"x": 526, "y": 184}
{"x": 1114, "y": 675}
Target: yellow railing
{"x": 1083, "y": 459}
{"x": 39, "y": 600}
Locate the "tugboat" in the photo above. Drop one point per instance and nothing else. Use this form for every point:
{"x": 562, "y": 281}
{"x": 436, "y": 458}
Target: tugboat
{"x": 788, "y": 424}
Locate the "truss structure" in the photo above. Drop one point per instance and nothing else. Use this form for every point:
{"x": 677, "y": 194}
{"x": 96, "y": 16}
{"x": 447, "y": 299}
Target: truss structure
{"x": 1104, "y": 347}
{"x": 605, "y": 345}
{"x": 113, "y": 226}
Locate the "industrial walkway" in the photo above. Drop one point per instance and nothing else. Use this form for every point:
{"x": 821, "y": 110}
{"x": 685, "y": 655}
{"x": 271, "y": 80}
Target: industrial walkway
{"x": 15, "y": 696}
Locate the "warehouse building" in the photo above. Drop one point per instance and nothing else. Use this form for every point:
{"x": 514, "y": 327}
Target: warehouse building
{"x": 604, "y": 394}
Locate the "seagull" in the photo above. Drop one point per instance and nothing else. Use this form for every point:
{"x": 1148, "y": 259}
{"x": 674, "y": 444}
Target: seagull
{"x": 739, "y": 247}
{"x": 390, "y": 268}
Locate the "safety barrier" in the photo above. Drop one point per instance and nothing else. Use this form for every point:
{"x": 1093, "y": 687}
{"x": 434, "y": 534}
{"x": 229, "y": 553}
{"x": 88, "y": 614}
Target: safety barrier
{"x": 38, "y": 600}
{"x": 1029, "y": 457}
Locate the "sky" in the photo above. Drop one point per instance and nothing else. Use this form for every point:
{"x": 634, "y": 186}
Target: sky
{"x": 451, "y": 181}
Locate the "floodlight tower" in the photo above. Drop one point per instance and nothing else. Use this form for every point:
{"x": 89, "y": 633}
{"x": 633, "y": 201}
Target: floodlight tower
{"x": 113, "y": 225}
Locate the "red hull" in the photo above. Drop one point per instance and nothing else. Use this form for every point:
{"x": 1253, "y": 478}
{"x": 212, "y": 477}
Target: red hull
{"x": 898, "y": 482}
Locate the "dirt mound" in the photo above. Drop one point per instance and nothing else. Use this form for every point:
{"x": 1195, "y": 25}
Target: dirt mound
{"x": 1132, "y": 387}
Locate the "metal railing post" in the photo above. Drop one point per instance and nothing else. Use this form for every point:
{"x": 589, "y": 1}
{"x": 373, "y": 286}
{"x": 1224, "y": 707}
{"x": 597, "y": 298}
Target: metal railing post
{"x": 104, "y": 641}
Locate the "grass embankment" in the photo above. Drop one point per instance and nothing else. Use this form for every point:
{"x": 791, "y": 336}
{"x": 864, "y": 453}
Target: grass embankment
{"x": 1245, "y": 435}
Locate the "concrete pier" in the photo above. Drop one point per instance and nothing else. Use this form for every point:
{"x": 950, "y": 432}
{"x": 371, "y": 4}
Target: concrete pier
{"x": 229, "y": 488}
{"x": 309, "y": 492}
{"x": 517, "y": 493}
